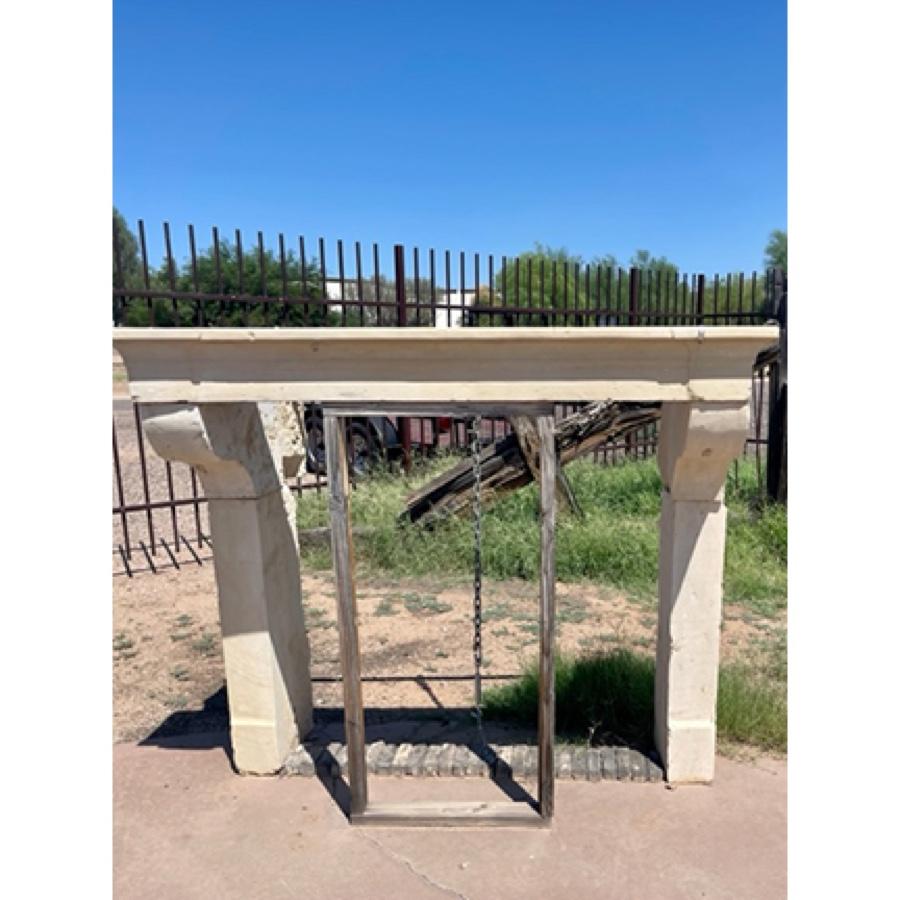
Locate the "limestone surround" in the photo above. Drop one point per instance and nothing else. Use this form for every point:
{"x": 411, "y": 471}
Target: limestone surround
{"x": 204, "y": 392}
{"x": 242, "y": 453}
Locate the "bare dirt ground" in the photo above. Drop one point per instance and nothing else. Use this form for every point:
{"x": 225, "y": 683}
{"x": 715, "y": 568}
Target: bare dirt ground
{"x": 167, "y": 643}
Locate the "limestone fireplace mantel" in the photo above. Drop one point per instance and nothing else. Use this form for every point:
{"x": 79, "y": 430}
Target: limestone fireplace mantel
{"x": 199, "y": 390}
{"x": 421, "y": 365}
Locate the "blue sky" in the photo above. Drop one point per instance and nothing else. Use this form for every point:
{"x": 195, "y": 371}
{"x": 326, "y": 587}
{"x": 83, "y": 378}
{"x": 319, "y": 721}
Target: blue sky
{"x": 601, "y": 126}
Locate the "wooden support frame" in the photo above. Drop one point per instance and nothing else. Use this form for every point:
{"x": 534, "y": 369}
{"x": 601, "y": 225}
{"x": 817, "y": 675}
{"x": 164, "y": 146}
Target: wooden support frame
{"x": 440, "y": 814}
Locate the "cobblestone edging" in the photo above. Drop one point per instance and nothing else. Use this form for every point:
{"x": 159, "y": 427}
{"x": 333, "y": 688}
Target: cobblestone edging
{"x": 444, "y": 760}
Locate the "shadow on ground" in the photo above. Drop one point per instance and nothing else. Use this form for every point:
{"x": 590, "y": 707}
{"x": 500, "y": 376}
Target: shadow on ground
{"x": 391, "y": 727}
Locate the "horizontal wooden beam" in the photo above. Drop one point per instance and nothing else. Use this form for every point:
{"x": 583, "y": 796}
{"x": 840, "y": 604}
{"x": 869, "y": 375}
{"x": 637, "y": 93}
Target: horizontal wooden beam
{"x": 450, "y": 815}
{"x": 433, "y": 366}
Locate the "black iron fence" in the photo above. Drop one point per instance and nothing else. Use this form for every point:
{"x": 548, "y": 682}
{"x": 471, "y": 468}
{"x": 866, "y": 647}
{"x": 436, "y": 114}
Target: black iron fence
{"x": 158, "y": 509}
{"x": 228, "y": 285}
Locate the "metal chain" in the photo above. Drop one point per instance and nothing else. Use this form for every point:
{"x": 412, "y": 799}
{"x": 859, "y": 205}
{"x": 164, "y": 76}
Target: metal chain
{"x": 475, "y": 439}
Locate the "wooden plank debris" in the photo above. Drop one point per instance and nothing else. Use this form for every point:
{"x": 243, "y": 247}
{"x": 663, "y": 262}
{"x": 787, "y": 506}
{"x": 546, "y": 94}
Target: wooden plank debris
{"x": 504, "y": 466}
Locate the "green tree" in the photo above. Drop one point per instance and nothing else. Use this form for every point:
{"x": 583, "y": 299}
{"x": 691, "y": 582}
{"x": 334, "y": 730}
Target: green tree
{"x": 544, "y": 278}
{"x": 776, "y": 250}
{"x": 644, "y": 260}
{"x": 252, "y": 274}
{"x": 126, "y": 263}
{"x": 732, "y": 299}
{"x": 539, "y": 277}
{"x": 382, "y": 295}
{"x": 563, "y": 283}
{"x": 126, "y": 260}
{"x": 237, "y": 276}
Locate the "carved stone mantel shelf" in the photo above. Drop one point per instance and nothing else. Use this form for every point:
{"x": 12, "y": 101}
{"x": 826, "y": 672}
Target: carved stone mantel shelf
{"x": 421, "y": 365}
{"x": 200, "y": 389}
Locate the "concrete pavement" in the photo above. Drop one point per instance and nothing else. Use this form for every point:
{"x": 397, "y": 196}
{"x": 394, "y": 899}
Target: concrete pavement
{"x": 186, "y": 826}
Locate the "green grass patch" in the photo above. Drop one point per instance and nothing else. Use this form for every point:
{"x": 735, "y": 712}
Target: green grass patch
{"x": 497, "y": 612}
{"x": 752, "y": 704}
{"x": 385, "y": 607}
{"x": 424, "y": 604}
{"x": 180, "y": 673}
{"x": 615, "y": 543}
{"x": 607, "y": 692}
{"x": 122, "y": 642}
{"x": 317, "y": 618}
{"x": 205, "y": 645}
{"x": 570, "y": 609}
{"x": 610, "y": 694}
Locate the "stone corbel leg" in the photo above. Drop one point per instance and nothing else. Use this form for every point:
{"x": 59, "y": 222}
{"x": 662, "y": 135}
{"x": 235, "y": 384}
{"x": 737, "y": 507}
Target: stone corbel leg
{"x": 264, "y": 644}
{"x": 698, "y": 442}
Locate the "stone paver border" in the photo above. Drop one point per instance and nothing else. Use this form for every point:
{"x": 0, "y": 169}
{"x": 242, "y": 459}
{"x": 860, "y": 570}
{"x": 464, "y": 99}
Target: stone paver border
{"x": 578, "y": 763}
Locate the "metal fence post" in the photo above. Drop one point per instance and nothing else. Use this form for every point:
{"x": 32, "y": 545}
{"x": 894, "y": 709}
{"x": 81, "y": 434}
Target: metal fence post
{"x": 634, "y": 293}
{"x": 701, "y": 296}
{"x": 776, "y": 447}
{"x": 634, "y": 297}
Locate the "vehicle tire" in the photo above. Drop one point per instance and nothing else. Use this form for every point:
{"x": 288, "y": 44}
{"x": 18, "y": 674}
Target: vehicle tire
{"x": 364, "y": 450}
{"x": 315, "y": 446}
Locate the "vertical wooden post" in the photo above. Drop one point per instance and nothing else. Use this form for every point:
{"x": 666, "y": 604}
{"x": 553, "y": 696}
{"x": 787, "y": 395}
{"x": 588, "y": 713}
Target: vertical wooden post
{"x": 400, "y": 279}
{"x": 342, "y": 555}
{"x": 547, "y": 687}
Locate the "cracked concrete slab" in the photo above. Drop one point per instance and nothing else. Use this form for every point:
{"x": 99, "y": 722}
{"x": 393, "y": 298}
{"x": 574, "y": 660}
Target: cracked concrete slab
{"x": 187, "y": 826}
